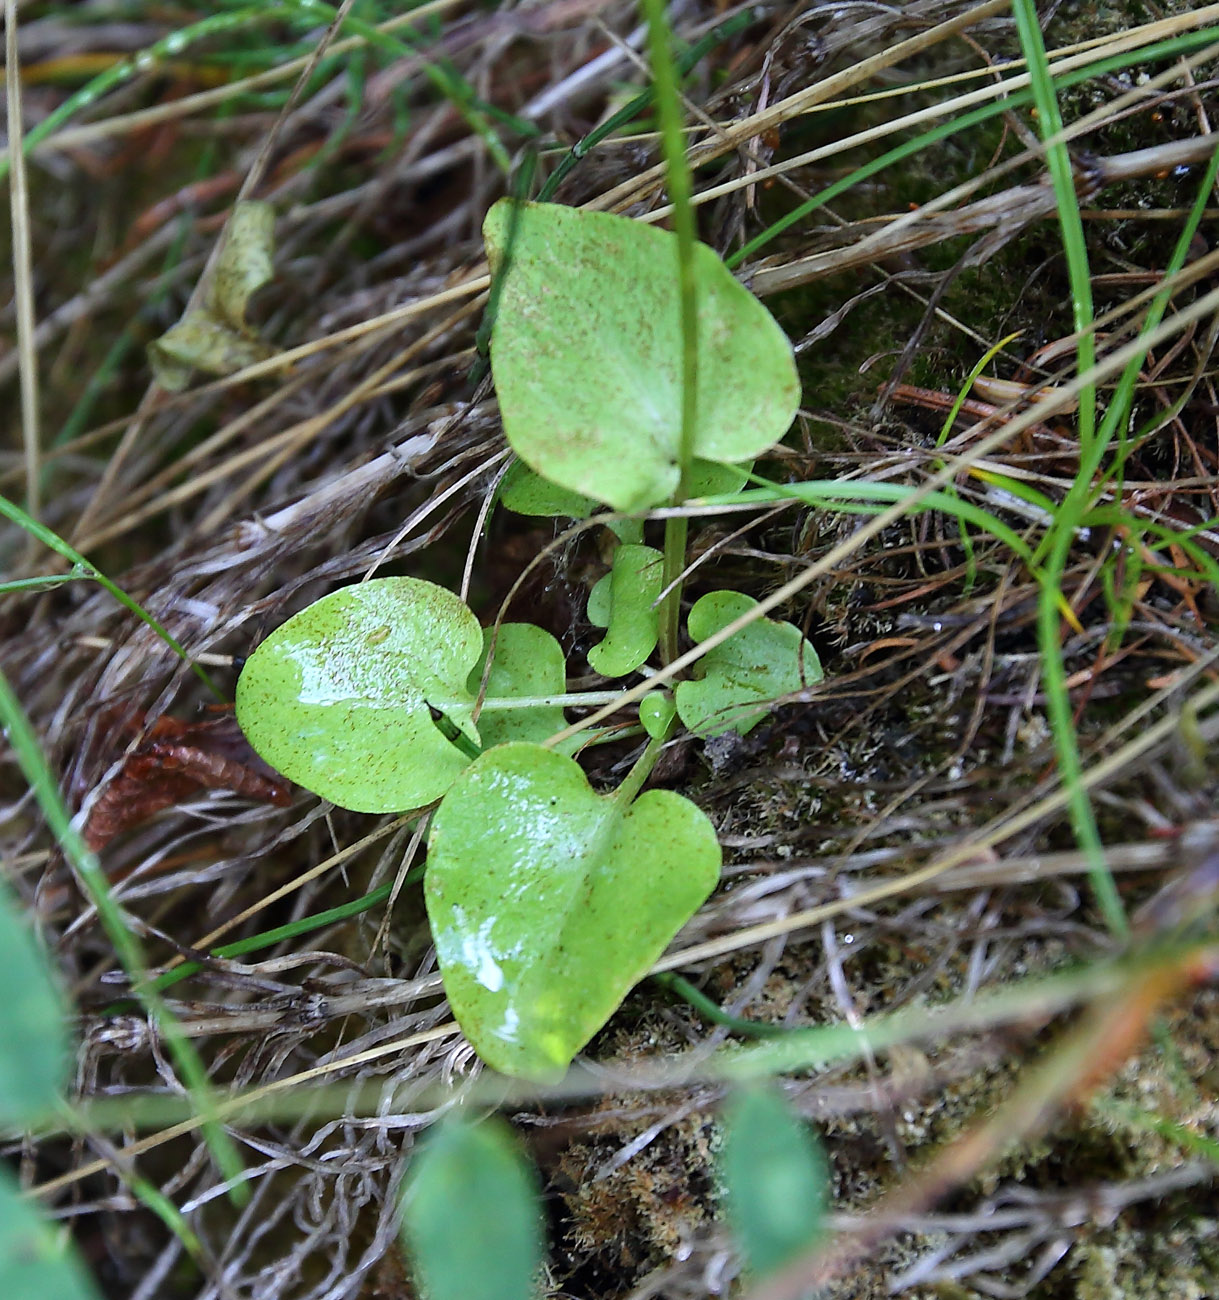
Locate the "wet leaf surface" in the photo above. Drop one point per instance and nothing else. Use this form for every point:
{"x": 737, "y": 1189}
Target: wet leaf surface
{"x": 340, "y": 698}
{"x": 548, "y": 901}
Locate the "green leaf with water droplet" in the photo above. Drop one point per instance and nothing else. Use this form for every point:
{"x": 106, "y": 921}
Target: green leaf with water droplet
{"x": 548, "y": 901}
{"x": 586, "y": 352}
{"x": 656, "y": 712}
{"x": 341, "y": 698}
{"x": 624, "y": 601}
{"x": 216, "y": 338}
{"x": 740, "y": 678}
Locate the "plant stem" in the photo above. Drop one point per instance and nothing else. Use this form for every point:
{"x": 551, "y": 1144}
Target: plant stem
{"x": 668, "y": 110}
{"x": 574, "y": 699}
{"x": 676, "y": 530}
{"x": 635, "y": 778}
{"x": 710, "y": 1010}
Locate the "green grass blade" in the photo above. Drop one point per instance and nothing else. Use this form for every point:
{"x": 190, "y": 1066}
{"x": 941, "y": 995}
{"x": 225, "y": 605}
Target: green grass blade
{"x": 1122, "y": 402}
{"x": 1016, "y": 99}
{"x": 642, "y": 102}
{"x": 46, "y": 582}
{"x": 127, "y": 946}
{"x": 85, "y": 568}
{"x": 1050, "y": 593}
{"x": 869, "y": 498}
{"x": 971, "y": 567}
{"x": 145, "y": 60}
{"x": 1057, "y": 543}
{"x": 450, "y": 83}
{"x": 281, "y": 933}
{"x": 1058, "y": 162}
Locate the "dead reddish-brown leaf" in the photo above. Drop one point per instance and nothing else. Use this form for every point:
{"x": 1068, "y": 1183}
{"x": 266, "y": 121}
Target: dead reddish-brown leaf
{"x": 174, "y": 762}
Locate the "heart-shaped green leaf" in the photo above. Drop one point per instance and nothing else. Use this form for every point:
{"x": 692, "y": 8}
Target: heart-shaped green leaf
{"x": 761, "y": 662}
{"x": 548, "y": 901}
{"x": 340, "y": 698}
{"x": 586, "y": 352}
{"x": 624, "y": 602}
{"x": 528, "y": 662}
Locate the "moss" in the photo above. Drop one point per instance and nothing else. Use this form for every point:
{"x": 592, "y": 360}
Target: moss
{"x": 1177, "y": 1262}
{"x": 624, "y": 1217}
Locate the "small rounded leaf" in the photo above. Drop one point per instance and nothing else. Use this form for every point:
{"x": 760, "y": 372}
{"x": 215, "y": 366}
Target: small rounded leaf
{"x": 548, "y": 901}
{"x": 586, "y": 351}
{"x": 528, "y": 493}
{"x": 37, "y": 1259}
{"x": 656, "y": 712}
{"x": 775, "y": 1180}
{"x": 624, "y": 602}
{"x": 528, "y": 662}
{"x": 741, "y": 677}
{"x": 340, "y": 698}
{"x": 34, "y": 1055}
{"x": 470, "y": 1217}
{"x": 709, "y": 479}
